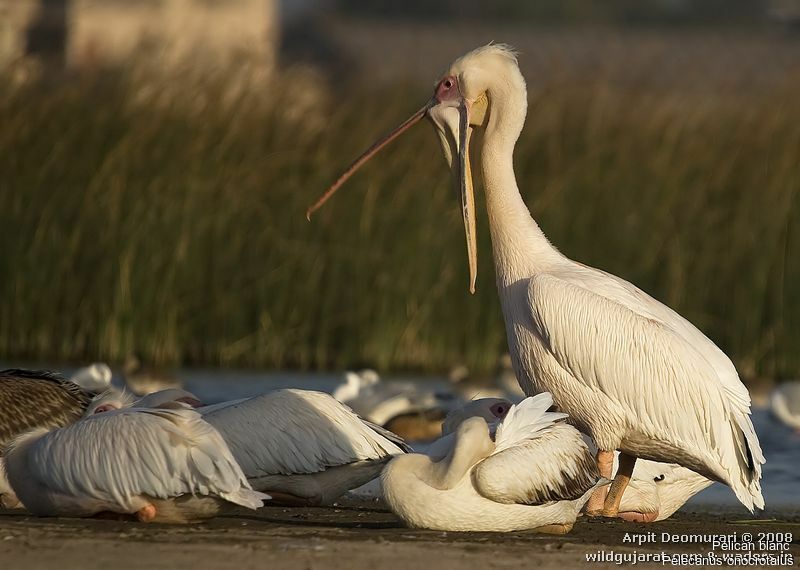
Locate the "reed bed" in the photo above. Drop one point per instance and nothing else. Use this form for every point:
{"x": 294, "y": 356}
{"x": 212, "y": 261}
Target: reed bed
{"x": 168, "y": 220}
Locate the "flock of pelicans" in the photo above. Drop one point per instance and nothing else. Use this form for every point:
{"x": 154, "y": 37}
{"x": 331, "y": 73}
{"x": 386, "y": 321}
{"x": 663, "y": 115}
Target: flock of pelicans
{"x": 618, "y": 385}
{"x": 79, "y": 447}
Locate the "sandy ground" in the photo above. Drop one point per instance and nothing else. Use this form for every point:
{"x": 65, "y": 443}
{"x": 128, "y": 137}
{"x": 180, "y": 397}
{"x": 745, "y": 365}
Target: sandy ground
{"x": 355, "y": 536}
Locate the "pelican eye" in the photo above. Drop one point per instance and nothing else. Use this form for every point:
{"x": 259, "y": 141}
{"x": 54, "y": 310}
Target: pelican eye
{"x": 448, "y": 84}
{"x": 499, "y": 410}
{"x": 659, "y": 478}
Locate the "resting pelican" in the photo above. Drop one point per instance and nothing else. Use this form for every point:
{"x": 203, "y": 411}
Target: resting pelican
{"x": 409, "y": 409}
{"x": 32, "y": 399}
{"x": 630, "y": 372}
{"x": 655, "y": 492}
{"x": 159, "y": 465}
{"x": 37, "y": 398}
{"x": 300, "y": 446}
{"x": 785, "y": 404}
{"x": 93, "y": 378}
{"x": 536, "y": 474}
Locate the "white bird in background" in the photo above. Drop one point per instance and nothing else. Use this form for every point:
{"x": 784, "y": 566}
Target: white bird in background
{"x": 302, "y": 447}
{"x": 536, "y": 473}
{"x": 409, "y": 409}
{"x": 159, "y": 465}
{"x": 354, "y": 383}
{"x": 93, "y": 378}
{"x": 785, "y": 404}
{"x": 630, "y": 372}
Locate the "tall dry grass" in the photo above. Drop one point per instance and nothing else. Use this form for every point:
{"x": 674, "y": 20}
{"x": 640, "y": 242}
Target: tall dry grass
{"x": 172, "y": 223}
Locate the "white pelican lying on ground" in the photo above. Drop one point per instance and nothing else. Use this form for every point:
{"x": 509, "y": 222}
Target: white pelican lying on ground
{"x": 93, "y": 378}
{"x": 630, "y": 372}
{"x": 785, "y": 404}
{"x": 32, "y": 399}
{"x": 409, "y": 409}
{"x": 655, "y": 492}
{"x": 536, "y": 473}
{"x": 300, "y": 446}
{"x": 157, "y": 464}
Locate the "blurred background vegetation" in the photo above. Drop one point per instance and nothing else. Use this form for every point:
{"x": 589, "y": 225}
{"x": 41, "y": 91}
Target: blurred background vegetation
{"x": 159, "y": 210}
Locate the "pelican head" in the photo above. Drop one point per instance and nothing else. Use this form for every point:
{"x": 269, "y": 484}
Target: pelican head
{"x": 490, "y": 409}
{"x": 461, "y": 103}
{"x": 110, "y": 400}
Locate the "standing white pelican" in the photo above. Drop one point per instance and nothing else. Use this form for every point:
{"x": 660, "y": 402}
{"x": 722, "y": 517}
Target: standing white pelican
{"x": 160, "y": 465}
{"x": 93, "y": 378}
{"x": 785, "y": 404}
{"x": 628, "y": 370}
{"x": 536, "y": 473}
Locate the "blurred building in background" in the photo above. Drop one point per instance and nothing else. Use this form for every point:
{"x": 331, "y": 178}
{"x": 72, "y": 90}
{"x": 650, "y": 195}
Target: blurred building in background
{"x": 164, "y": 33}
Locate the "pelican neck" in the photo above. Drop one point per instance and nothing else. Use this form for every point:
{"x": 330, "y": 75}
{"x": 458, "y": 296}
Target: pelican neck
{"x": 519, "y": 246}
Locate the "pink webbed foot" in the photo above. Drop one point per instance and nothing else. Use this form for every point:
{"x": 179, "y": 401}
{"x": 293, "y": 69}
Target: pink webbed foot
{"x": 146, "y": 513}
{"x": 635, "y": 516}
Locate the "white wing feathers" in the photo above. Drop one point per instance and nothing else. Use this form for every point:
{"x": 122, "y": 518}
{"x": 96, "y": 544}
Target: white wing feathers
{"x": 537, "y": 458}
{"x": 120, "y": 455}
{"x": 297, "y": 431}
{"x": 664, "y": 384}
{"x": 526, "y": 420}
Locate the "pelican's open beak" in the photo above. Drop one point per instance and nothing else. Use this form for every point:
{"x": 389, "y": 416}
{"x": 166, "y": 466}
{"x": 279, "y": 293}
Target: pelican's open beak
{"x": 451, "y": 117}
{"x": 367, "y": 154}
{"x": 452, "y": 122}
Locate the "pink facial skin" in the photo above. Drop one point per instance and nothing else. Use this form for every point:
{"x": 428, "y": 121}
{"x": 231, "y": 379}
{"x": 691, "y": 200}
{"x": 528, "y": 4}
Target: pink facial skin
{"x": 447, "y": 89}
{"x": 193, "y": 402}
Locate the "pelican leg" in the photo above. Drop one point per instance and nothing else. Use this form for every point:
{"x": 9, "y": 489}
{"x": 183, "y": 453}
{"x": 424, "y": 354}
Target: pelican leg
{"x": 626, "y": 464}
{"x": 605, "y": 463}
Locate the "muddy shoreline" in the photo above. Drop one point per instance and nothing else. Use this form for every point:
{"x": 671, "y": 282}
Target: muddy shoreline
{"x": 354, "y": 536}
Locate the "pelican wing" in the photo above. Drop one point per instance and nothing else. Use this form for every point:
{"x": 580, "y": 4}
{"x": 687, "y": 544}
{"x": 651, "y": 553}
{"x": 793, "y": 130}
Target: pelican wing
{"x": 119, "y": 455}
{"x": 661, "y": 381}
{"x": 289, "y": 431}
{"x": 526, "y": 420}
{"x": 537, "y": 458}
{"x": 37, "y": 398}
